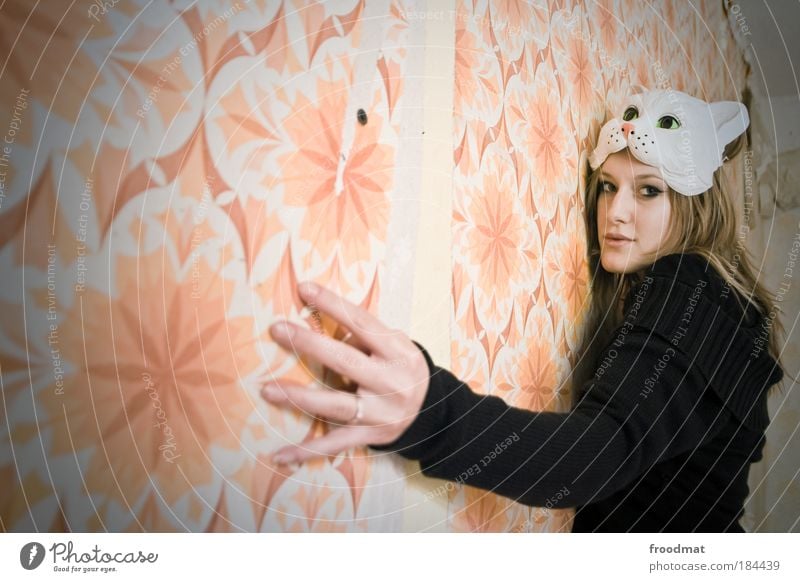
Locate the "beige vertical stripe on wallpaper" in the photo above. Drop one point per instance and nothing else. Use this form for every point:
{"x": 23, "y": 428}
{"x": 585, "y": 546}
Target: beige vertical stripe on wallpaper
{"x": 430, "y": 319}
{"x": 394, "y": 309}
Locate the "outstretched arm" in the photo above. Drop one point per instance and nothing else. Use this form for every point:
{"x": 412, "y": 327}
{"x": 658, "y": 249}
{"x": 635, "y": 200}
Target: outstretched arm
{"x": 649, "y": 404}
{"x": 639, "y": 412}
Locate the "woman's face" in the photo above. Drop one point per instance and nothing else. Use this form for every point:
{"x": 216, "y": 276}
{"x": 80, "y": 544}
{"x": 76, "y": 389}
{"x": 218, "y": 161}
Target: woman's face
{"x": 633, "y": 213}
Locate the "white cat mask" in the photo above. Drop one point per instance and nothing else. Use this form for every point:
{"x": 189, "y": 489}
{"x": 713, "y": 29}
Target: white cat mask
{"x": 682, "y": 136}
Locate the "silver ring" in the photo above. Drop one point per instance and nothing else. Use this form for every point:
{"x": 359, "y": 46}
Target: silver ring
{"x": 359, "y": 410}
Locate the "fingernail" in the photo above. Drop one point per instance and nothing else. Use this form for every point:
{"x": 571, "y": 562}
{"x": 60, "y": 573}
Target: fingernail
{"x": 283, "y": 330}
{"x": 273, "y": 392}
{"x": 308, "y": 289}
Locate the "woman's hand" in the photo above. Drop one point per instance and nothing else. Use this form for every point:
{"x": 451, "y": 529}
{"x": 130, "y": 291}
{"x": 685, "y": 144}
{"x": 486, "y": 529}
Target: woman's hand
{"x": 389, "y": 373}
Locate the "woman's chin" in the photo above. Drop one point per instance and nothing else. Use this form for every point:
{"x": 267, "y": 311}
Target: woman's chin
{"x": 618, "y": 261}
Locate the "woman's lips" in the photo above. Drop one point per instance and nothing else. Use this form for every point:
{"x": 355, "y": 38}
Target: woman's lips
{"x": 617, "y": 240}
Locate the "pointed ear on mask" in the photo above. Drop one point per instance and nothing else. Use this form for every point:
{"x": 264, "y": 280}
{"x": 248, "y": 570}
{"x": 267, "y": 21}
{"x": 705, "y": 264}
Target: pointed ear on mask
{"x": 730, "y": 121}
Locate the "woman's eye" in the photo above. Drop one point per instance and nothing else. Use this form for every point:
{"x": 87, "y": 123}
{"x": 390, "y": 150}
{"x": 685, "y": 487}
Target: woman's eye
{"x": 651, "y": 191}
{"x": 606, "y": 187}
{"x": 668, "y": 122}
{"x": 630, "y": 113}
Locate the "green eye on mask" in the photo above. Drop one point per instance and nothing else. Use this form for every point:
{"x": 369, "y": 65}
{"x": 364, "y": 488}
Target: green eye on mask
{"x": 668, "y": 122}
{"x": 630, "y": 113}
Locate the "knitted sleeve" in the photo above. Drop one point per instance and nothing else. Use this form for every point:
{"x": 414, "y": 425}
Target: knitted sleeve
{"x": 646, "y": 403}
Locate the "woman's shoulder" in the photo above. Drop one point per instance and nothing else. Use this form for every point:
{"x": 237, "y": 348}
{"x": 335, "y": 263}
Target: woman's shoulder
{"x": 683, "y": 299}
{"x": 686, "y": 268}
{"x": 670, "y": 279}
{"x": 673, "y": 285}
{"x": 695, "y": 275}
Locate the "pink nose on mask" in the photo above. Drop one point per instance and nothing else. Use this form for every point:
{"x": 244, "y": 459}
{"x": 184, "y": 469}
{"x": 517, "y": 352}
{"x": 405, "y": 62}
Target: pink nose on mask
{"x": 626, "y": 129}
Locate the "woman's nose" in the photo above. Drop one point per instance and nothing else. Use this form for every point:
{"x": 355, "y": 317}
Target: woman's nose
{"x": 621, "y": 206}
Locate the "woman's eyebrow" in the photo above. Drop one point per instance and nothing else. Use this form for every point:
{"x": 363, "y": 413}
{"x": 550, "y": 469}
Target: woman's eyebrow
{"x": 648, "y": 176}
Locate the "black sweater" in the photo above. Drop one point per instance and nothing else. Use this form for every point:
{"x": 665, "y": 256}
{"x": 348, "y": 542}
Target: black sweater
{"x": 660, "y": 439}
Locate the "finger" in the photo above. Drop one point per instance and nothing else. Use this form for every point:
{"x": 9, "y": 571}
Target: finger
{"x": 331, "y": 405}
{"x": 333, "y": 443}
{"x": 311, "y": 314}
{"x": 368, "y": 331}
{"x": 346, "y": 336}
{"x": 331, "y": 379}
{"x": 341, "y": 358}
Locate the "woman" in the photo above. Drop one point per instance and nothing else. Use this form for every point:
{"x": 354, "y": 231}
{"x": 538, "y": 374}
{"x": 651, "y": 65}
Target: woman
{"x": 680, "y": 352}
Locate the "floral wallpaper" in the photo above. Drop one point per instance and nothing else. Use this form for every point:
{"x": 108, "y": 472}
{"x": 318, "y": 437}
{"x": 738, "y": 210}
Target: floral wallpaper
{"x": 171, "y": 170}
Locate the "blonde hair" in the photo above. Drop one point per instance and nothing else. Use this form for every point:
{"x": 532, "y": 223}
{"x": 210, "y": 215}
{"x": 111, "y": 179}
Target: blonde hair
{"x": 706, "y": 225}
